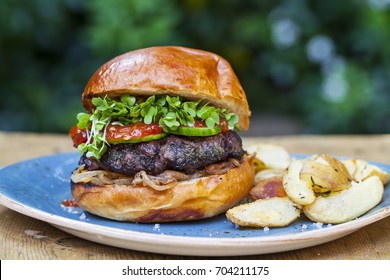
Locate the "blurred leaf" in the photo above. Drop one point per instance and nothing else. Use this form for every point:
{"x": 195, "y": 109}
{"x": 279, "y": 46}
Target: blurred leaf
{"x": 119, "y": 26}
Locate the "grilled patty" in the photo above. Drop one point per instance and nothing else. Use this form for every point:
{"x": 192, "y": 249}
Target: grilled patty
{"x": 186, "y": 154}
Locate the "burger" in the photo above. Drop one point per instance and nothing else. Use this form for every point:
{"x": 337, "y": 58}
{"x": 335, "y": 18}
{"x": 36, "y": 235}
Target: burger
{"x": 159, "y": 139}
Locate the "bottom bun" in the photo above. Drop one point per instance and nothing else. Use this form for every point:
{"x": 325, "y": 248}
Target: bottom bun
{"x": 194, "y": 199}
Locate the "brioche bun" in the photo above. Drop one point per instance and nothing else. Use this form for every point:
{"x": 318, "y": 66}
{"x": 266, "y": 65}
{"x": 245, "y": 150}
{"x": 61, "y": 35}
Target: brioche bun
{"x": 189, "y": 200}
{"x": 190, "y": 73}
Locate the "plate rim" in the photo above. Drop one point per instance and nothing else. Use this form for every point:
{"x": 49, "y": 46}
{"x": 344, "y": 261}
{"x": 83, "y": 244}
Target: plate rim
{"x": 205, "y": 246}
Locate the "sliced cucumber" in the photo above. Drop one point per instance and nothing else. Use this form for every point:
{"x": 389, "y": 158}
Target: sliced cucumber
{"x": 196, "y": 131}
{"x": 137, "y": 140}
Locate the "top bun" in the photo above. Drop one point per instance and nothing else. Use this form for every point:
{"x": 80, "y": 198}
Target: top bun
{"x": 191, "y": 73}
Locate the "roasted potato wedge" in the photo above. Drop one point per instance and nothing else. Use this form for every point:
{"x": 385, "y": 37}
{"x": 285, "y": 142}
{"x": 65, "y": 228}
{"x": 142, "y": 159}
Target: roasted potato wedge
{"x": 259, "y": 165}
{"x": 298, "y": 190}
{"x": 273, "y": 156}
{"x": 325, "y": 189}
{"x": 360, "y": 170}
{"x": 271, "y": 212}
{"x": 326, "y": 174}
{"x": 267, "y": 188}
{"x": 336, "y": 164}
{"x": 351, "y": 165}
{"x": 348, "y": 204}
{"x": 268, "y": 173}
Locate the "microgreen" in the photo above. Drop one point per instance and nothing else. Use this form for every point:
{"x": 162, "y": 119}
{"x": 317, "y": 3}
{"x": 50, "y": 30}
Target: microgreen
{"x": 169, "y": 112}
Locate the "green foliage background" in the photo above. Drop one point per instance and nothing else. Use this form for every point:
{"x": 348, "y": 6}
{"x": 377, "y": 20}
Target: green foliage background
{"x": 324, "y": 63}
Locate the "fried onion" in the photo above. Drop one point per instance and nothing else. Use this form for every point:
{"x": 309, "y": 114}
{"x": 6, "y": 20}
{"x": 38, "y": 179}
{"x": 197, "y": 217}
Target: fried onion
{"x": 166, "y": 180}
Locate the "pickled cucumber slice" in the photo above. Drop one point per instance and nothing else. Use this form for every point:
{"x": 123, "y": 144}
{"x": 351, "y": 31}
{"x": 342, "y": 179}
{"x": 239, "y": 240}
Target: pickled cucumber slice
{"x": 141, "y": 139}
{"x": 196, "y": 131}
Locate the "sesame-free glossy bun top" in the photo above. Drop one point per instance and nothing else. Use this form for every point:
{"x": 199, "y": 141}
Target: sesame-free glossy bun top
{"x": 191, "y": 73}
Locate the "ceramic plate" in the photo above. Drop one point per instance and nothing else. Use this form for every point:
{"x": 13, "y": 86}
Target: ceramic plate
{"x": 37, "y": 187}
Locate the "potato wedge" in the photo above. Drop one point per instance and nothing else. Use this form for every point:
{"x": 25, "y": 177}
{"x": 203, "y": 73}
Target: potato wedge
{"x": 348, "y": 204}
{"x": 361, "y": 170}
{"x": 271, "y": 212}
{"x": 259, "y": 165}
{"x": 268, "y": 173}
{"x": 336, "y": 164}
{"x": 273, "y": 156}
{"x": 297, "y": 190}
{"x": 351, "y": 166}
{"x": 270, "y": 187}
{"x": 326, "y": 174}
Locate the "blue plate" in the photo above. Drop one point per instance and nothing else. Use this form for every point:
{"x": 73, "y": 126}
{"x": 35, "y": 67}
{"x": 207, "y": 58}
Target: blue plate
{"x": 37, "y": 187}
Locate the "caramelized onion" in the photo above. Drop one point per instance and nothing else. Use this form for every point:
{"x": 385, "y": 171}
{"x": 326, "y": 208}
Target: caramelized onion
{"x": 219, "y": 168}
{"x": 172, "y": 174}
{"x": 236, "y": 162}
{"x": 100, "y": 177}
{"x": 166, "y": 180}
{"x": 151, "y": 181}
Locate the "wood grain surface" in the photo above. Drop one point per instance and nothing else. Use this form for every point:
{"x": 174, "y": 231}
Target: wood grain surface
{"x": 22, "y": 237}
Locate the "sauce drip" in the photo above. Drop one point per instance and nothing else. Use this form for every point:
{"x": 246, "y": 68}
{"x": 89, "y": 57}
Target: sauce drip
{"x": 69, "y": 203}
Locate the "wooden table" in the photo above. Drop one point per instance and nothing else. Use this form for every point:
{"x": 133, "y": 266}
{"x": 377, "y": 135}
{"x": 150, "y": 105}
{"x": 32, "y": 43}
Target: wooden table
{"x": 371, "y": 242}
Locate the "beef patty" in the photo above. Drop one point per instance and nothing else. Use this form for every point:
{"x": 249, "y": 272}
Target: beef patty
{"x": 186, "y": 154}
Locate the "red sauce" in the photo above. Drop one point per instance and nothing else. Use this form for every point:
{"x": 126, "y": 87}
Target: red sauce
{"x": 139, "y": 130}
{"x": 69, "y": 202}
{"x": 222, "y": 122}
{"x": 117, "y": 133}
{"x": 134, "y": 131}
{"x": 78, "y": 135}
{"x": 199, "y": 123}
{"x": 224, "y": 125}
